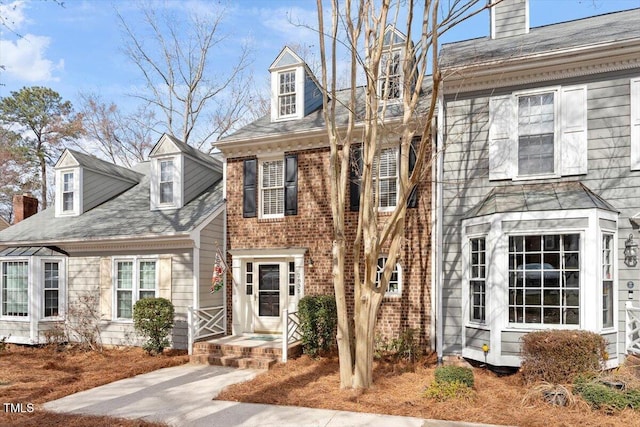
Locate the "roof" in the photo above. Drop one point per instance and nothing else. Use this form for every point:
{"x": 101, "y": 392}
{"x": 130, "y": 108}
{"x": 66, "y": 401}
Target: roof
{"x": 127, "y": 215}
{"x": 193, "y": 152}
{"x": 539, "y": 197}
{"x": 98, "y": 165}
{"x": 32, "y": 251}
{"x": 264, "y": 127}
{"x": 601, "y": 29}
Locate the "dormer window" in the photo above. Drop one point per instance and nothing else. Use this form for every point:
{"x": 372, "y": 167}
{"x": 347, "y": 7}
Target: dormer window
{"x": 390, "y": 78}
{"x": 166, "y": 181}
{"x": 68, "y": 191}
{"x": 287, "y": 93}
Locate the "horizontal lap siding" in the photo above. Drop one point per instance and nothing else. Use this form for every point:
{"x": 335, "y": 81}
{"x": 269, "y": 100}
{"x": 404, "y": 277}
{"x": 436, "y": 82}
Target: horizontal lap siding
{"x": 211, "y": 239}
{"x": 97, "y": 188}
{"x": 197, "y": 178}
{"x": 475, "y": 338}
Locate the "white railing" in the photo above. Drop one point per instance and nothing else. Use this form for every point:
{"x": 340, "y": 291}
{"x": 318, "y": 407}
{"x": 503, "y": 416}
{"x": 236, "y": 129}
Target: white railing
{"x": 633, "y": 328}
{"x": 205, "y": 322}
{"x": 290, "y": 331}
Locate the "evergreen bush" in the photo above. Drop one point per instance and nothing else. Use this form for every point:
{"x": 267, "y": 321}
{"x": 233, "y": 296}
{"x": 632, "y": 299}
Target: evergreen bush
{"x": 318, "y": 322}
{"x": 153, "y": 318}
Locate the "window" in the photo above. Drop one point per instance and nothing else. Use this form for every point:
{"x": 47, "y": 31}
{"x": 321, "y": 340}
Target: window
{"x": 544, "y": 279}
{"x": 249, "y": 279}
{"x": 292, "y": 278}
{"x": 385, "y": 176}
{"x": 287, "y": 93}
{"x": 67, "y": 192}
{"x": 135, "y": 279}
{"x": 478, "y": 275}
{"x": 607, "y": 281}
{"x": 166, "y": 181}
{"x": 395, "y": 282}
{"x": 390, "y": 75}
{"x": 15, "y": 294}
{"x": 272, "y": 188}
{"x": 536, "y": 134}
{"x": 51, "y": 289}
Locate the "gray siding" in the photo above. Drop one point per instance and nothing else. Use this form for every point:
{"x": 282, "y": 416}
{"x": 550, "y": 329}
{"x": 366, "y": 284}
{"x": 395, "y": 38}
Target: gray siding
{"x": 466, "y": 183}
{"x": 475, "y": 338}
{"x": 197, "y": 178}
{"x": 211, "y": 238}
{"x": 312, "y": 95}
{"x": 510, "y": 18}
{"x": 511, "y": 343}
{"x": 97, "y": 188}
{"x": 16, "y": 330}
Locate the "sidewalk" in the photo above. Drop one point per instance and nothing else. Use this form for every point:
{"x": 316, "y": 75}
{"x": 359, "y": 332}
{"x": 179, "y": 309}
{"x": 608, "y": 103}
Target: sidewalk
{"x": 182, "y": 396}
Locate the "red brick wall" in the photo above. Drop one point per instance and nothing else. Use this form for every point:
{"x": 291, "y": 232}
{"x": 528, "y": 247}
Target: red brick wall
{"x": 312, "y": 229}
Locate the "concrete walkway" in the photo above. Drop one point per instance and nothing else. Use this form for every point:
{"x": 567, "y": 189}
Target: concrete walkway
{"x": 182, "y": 396}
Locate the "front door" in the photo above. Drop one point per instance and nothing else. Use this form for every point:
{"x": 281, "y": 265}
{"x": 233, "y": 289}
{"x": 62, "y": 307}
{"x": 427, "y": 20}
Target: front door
{"x": 268, "y": 299}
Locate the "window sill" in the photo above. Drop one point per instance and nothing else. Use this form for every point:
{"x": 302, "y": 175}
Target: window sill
{"x": 520, "y": 327}
{"x": 480, "y": 326}
{"x": 24, "y": 319}
{"x": 535, "y": 177}
{"x": 274, "y": 219}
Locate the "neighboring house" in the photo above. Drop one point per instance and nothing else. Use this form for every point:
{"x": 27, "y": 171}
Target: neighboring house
{"x": 113, "y": 236}
{"x": 279, "y": 223}
{"x": 539, "y": 182}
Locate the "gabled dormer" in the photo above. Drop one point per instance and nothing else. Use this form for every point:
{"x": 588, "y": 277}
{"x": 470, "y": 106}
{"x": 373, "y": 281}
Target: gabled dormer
{"x": 294, "y": 90}
{"x": 84, "y": 182}
{"x": 179, "y": 173}
{"x": 391, "y": 80}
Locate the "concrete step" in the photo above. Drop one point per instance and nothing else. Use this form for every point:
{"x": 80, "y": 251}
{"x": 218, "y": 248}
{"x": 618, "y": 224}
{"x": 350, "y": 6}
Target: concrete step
{"x": 233, "y": 361}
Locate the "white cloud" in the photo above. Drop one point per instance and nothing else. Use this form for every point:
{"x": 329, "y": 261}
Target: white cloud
{"x": 24, "y": 59}
{"x": 293, "y": 24}
{"x": 11, "y": 16}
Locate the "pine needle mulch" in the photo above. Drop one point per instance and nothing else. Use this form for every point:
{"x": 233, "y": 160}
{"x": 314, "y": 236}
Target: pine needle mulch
{"x": 398, "y": 390}
{"x": 31, "y": 375}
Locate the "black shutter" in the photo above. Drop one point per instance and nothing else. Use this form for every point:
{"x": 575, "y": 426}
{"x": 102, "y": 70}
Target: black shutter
{"x": 291, "y": 184}
{"x": 412, "y": 201}
{"x": 250, "y": 174}
{"x": 355, "y": 178}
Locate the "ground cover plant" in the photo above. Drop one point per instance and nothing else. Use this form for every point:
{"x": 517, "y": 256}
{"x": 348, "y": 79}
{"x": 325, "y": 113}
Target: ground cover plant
{"x": 399, "y": 389}
{"x": 38, "y": 375}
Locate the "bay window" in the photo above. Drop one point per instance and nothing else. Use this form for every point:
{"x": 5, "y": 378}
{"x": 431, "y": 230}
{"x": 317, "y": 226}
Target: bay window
{"x": 15, "y": 288}
{"x": 51, "y": 288}
{"x": 607, "y": 281}
{"x": 477, "y": 279}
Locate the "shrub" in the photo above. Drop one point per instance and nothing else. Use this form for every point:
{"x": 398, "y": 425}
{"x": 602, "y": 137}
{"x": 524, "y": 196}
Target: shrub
{"x": 451, "y": 374}
{"x": 405, "y": 347}
{"x": 442, "y": 391}
{"x": 82, "y": 323}
{"x": 3, "y": 343}
{"x": 153, "y": 318}
{"x": 558, "y": 356}
{"x": 554, "y": 394}
{"x": 318, "y": 321}
{"x": 600, "y": 396}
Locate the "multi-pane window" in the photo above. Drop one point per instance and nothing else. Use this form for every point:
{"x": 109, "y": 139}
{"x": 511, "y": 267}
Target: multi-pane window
{"x": 536, "y": 134}
{"x": 292, "y": 278}
{"x": 166, "y": 181}
{"x": 390, "y": 79}
{"x": 477, "y": 279}
{"x": 249, "y": 278}
{"x": 272, "y": 188}
{"x": 544, "y": 279}
{"x": 607, "y": 281}
{"x": 67, "y": 191}
{"x": 385, "y": 173}
{"x": 15, "y": 291}
{"x": 134, "y": 280}
{"x": 395, "y": 282}
{"x": 51, "y": 289}
{"x": 287, "y": 93}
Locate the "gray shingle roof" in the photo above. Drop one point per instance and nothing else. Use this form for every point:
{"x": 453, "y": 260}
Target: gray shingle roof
{"x": 98, "y": 165}
{"x": 566, "y": 35}
{"x": 125, "y": 216}
{"x": 263, "y": 127}
{"x": 193, "y": 152}
{"x": 539, "y": 197}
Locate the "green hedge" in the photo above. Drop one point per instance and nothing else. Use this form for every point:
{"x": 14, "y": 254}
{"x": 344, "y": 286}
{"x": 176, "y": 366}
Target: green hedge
{"x": 153, "y": 318}
{"x": 318, "y": 321}
{"x": 451, "y": 374}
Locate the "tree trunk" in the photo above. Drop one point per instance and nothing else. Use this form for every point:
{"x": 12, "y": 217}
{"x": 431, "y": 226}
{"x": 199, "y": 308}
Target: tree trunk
{"x": 343, "y": 336}
{"x": 43, "y": 179}
{"x": 367, "y": 302}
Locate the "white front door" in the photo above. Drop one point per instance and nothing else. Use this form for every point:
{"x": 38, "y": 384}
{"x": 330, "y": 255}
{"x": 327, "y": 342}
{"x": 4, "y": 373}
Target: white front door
{"x": 269, "y": 298}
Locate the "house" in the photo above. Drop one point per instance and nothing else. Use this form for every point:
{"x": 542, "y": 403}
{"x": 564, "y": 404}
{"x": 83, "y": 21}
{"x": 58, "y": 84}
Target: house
{"x": 113, "y": 236}
{"x": 538, "y": 184}
{"x": 279, "y": 222}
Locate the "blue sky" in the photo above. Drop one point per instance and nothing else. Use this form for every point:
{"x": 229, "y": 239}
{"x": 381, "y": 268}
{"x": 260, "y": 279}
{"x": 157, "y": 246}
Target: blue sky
{"x": 78, "y": 47}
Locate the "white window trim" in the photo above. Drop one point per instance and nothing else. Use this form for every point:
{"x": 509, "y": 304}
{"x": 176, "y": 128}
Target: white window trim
{"x": 614, "y": 280}
{"x": 135, "y": 289}
{"x": 634, "y": 87}
{"x": 178, "y": 183}
{"x": 62, "y": 287}
{"x": 376, "y": 180}
{"x": 77, "y": 192}
{"x": 467, "y": 274}
{"x": 261, "y": 161}
{"x": 557, "y": 129}
{"x": 383, "y": 77}
{"x": 275, "y": 93}
{"x": 294, "y": 93}
{"x": 389, "y": 294}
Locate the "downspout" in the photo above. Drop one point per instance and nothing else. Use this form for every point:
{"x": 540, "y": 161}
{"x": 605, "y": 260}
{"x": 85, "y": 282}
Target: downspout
{"x": 224, "y": 243}
{"x": 439, "y": 230}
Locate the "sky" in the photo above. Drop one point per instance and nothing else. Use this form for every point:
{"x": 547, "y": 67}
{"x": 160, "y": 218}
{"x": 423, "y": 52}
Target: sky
{"x": 77, "y": 47}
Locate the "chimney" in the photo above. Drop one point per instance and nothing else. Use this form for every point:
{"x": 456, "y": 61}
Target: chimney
{"x": 509, "y": 18}
{"x": 24, "y": 206}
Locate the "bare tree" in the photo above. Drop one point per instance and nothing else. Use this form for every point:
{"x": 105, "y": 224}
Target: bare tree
{"x": 360, "y": 26}
{"x": 200, "y": 97}
{"x": 120, "y": 138}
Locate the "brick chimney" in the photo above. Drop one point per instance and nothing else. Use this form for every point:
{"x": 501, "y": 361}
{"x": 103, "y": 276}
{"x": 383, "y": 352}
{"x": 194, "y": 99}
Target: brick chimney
{"x": 24, "y": 206}
{"x": 509, "y": 18}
